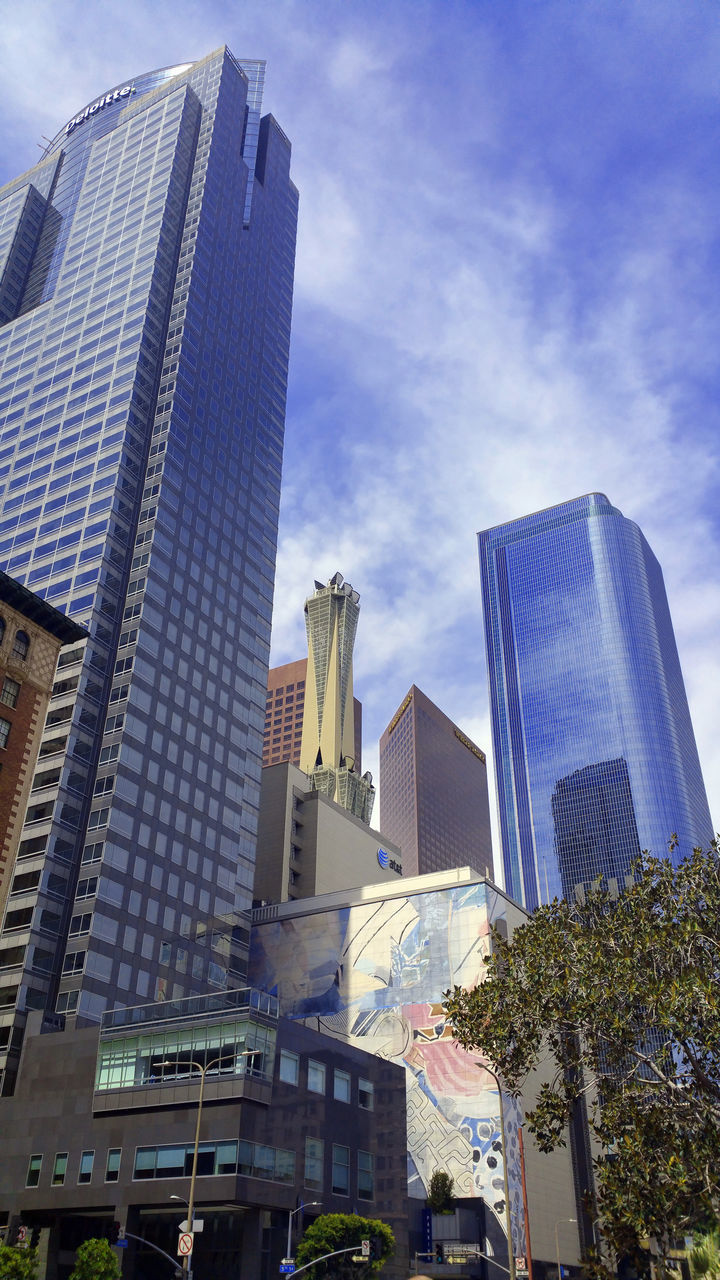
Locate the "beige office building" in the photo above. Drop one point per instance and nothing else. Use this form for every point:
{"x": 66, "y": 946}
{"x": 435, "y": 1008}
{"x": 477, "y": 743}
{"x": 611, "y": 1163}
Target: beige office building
{"x": 308, "y": 845}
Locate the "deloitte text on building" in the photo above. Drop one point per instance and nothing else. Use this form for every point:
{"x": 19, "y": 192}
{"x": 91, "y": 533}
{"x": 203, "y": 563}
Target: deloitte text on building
{"x": 146, "y": 268}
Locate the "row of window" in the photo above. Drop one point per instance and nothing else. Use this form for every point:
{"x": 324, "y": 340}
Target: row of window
{"x": 317, "y": 1080}
{"x": 251, "y": 1159}
{"x": 85, "y": 1168}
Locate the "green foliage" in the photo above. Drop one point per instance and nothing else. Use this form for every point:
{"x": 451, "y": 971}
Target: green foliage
{"x": 18, "y": 1264}
{"x": 624, "y": 994}
{"x": 96, "y": 1260}
{"x": 440, "y": 1192}
{"x": 333, "y": 1231}
{"x": 704, "y": 1257}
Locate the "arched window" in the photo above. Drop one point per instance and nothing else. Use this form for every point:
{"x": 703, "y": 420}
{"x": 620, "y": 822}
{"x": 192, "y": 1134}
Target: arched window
{"x": 21, "y": 645}
{"x": 2, "y": 628}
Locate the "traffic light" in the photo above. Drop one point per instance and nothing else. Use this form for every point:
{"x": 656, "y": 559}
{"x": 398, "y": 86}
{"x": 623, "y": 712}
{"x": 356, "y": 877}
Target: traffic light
{"x": 376, "y": 1248}
{"x": 438, "y": 1253}
{"x": 114, "y": 1233}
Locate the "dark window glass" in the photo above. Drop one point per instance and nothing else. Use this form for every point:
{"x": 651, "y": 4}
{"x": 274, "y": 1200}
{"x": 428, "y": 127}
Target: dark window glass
{"x": 34, "y": 1166}
{"x": 341, "y": 1170}
{"x": 21, "y": 645}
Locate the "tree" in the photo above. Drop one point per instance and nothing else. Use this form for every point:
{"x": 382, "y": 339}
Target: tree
{"x": 622, "y": 995}
{"x": 96, "y": 1260}
{"x": 18, "y": 1264}
{"x": 440, "y": 1192}
{"x": 333, "y": 1231}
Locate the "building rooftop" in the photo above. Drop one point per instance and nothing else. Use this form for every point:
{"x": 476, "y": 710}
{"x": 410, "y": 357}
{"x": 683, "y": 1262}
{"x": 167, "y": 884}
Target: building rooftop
{"x": 38, "y": 611}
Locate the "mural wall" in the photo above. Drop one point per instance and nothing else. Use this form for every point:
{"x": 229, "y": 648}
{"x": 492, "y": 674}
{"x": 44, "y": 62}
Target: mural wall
{"x": 375, "y": 974}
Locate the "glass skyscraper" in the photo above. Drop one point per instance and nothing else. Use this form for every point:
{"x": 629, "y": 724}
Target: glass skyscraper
{"x": 146, "y": 272}
{"x": 595, "y": 755}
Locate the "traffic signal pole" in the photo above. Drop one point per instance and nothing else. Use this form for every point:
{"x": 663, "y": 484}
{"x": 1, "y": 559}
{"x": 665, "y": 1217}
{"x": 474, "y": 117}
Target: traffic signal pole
{"x": 325, "y": 1256}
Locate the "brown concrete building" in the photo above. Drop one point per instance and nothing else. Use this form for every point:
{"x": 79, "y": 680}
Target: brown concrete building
{"x": 32, "y": 634}
{"x": 434, "y": 791}
{"x": 284, "y": 715}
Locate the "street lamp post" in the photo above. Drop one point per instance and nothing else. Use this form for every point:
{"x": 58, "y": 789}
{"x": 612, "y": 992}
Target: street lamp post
{"x": 557, "y": 1245}
{"x": 291, "y": 1215}
{"x": 203, "y": 1068}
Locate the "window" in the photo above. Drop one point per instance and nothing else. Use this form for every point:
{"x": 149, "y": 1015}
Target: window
{"x": 366, "y": 1176}
{"x": 35, "y": 1163}
{"x": 92, "y": 853}
{"x": 289, "y": 1067}
{"x": 86, "y": 1166}
{"x": 59, "y": 1168}
{"x": 314, "y": 1159}
{"x": 21, "y": 645}
{"x": 5, "y": 727}
{"x": 112, "y": 1168}
{"x": 87, "y": 888}
{"x": 73, "y": 962}
{"x": 79, "y": 925}
{"x": 9, "y": 692}
{"x": 366, "y": 1094}
{"x": 341, "y": 1090}
{"x": 316, "y": 1076}
{"x": 271, "y": 1163}
{"x": 2, "y": 637}
{"x": 340, "y": 1170}
{"x": 67, "y": 1002}
{"x": 176, "y": 1161}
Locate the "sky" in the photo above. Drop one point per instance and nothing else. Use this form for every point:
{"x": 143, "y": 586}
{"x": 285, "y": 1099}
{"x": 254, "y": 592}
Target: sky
{"x": 506, "y": 293}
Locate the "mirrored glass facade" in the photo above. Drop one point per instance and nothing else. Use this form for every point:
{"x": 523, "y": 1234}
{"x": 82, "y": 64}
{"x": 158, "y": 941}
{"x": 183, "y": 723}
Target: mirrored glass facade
{"x": 146, "y": 270}
{"x": 595, "y": 755}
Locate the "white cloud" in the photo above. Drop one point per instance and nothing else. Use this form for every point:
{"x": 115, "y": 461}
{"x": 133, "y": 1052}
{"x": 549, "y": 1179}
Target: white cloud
{"x": 505, "y": 295}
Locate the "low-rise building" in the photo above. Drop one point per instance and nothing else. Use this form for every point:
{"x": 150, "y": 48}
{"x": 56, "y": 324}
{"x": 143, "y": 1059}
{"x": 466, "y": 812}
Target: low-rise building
{"x": 99, "y": 1138}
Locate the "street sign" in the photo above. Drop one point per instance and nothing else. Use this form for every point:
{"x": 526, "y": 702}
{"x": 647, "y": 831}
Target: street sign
{"x": 185, "y": 1243}
{"x": 287, "y": 1268}
{"x": 365, "y": 1248}
{"x": 197, "y": 1225}
{"x": 521, "y": 1268}
{"x": 359, "y": 1257}
{"x": 121, "y": 1244}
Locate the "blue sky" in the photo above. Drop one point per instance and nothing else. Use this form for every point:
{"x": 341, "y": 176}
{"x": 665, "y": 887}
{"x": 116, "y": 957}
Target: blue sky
{"x": 506, "y": 292}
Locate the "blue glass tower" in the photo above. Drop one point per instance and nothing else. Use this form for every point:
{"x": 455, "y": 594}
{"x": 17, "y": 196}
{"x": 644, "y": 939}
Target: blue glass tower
{"x": 146, "y": 271}
{"x": 595, "y": 755}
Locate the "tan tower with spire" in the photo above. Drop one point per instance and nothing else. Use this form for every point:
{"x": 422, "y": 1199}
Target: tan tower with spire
{"x": 327, "y": 750}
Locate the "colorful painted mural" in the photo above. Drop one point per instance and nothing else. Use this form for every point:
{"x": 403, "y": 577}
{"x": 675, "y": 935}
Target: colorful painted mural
{"x": 375, "y": 973}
